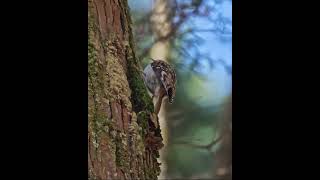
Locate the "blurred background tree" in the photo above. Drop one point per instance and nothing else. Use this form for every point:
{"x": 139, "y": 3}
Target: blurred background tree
{"x": 195, "y": 36}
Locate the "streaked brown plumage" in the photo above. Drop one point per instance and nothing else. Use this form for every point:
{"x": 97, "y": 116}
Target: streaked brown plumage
{"x": 160, "y": 79}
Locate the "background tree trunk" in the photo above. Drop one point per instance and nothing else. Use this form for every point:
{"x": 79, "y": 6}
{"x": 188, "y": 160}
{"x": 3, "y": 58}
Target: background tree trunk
{"x": 161, "y": 26}
{"x": 123, "y": 140}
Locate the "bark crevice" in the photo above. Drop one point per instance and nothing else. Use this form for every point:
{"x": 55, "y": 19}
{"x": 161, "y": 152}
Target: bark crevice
{"x": 121, "y": 136}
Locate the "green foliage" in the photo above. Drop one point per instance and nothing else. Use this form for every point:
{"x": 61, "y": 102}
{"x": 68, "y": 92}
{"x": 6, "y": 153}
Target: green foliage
{"x": 188, "y": 161}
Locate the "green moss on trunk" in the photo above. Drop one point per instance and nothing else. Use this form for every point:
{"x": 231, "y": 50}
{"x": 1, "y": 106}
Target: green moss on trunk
{"x": 116, "y": 88}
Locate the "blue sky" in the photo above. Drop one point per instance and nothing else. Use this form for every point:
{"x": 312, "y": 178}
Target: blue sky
{"x": 219, "y": 82}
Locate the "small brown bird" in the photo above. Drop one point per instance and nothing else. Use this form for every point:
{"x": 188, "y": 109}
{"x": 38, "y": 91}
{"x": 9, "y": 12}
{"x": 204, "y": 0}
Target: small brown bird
{"x": 160, "y": 80}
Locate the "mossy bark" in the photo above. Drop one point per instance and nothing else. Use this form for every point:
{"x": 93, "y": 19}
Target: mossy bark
{"x": 123, "y": 135}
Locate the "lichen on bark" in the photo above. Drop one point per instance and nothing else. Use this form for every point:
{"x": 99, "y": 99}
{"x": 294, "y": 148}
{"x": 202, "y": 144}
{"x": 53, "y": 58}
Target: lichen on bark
{"x": 119, "y": 106}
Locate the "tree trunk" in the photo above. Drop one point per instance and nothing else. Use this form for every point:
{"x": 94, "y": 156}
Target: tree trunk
{"x": 123, "y": 138}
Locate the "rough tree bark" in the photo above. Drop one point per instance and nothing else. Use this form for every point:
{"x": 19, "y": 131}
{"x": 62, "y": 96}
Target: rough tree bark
{"x": 123, "y": 137}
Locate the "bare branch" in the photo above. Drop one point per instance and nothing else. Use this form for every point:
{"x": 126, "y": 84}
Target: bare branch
{"x": 207, "y": 146}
